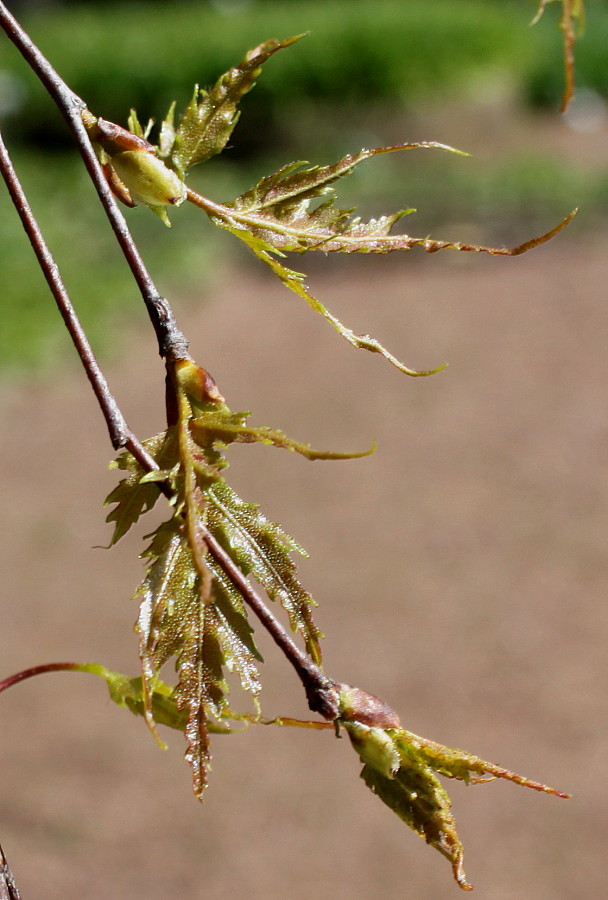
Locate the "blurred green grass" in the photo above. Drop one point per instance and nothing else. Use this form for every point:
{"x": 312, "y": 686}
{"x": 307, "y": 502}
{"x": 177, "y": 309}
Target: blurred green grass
{"x": 361, "y": 61}
{"x": 99, "y": 282}
{"x": 147, "y": 54}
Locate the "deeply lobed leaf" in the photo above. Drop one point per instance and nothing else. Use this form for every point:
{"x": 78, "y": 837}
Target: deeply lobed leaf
{"x": 209, "y": 119}
{"x": 280, "y": 208}
{"x": 189, "y": 609}
{"x": 401, "y": 768}
{"x": 279, "y": 215}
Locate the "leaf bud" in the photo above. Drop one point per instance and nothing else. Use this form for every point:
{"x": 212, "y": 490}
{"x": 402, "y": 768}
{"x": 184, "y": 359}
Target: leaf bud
{"x": 369, "y": 722}
{"x": 357, "y": 705}
{"x": 376, "y": 748}
{"x": 197, "y": 382}
{"x": 148, "y": 179}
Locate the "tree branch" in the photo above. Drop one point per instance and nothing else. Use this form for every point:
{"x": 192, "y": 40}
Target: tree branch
{"x": 171, "y": 341}
{"x": 320, "y": 690}
{"x": 8, "y": 888}
{"x": 117, "y": 427}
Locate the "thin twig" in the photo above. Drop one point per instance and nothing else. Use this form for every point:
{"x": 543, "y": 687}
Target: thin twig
{"x": 317, "y": 686}
{"x": 171, "y": 341}
{"x": 320, "y": 690}
{"x": 8, "y": 888}
{"x": 117, "y": 427}
{"x": 7, "y": 683}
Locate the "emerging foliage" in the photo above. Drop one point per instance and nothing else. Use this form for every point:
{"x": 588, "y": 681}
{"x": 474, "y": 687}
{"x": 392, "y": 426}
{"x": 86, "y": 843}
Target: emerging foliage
{"x": 402, "y": 768}
{"x": 190, "y": 610}
{"x": 193, "y": 608}
{"x": 290, "y": 210}
{"x": 209, "y": 119}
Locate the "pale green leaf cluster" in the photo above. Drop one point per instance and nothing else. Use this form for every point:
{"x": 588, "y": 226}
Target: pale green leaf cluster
{"x": 290, "y": 210}
{"x": 190, "y": 611}
{"x": 401, "y": 768}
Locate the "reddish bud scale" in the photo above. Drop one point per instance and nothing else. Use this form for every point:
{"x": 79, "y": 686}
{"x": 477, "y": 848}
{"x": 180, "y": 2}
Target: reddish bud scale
{"x": 357, "y": 705}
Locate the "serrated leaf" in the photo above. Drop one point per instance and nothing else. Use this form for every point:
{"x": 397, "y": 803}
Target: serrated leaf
{"x": 201, "y": 685}
{"x": 132, "y": 499}
{"x": 190, "y": 610}
{"x": 134, "y": 495}
{"x": 261, "y": 548}
{"x": 209, "y": 119}
{"x": 401, "y": 768}
{"x": 276, "y": 216}
{"x": 176, "y": 620}
{"x": 295, "y": 282}
{"x": 279, "y": 208}
{"x": 288, "y": 223}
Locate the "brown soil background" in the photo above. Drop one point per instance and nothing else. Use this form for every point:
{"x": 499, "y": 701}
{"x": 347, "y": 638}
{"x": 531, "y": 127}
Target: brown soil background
{"x": 461, "y": 574}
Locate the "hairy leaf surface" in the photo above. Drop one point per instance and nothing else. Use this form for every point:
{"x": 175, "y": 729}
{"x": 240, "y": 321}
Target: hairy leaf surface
{"x": 209, "y": 119}
{"x": 402, "y": 768}
{"x": 135, "y": 494}
{"x": 190, "y": 612}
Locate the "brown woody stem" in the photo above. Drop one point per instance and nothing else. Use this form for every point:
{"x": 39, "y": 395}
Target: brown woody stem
{"x": 321, "y": 691}
{"x": 171, "y": 341}
{"x": 8, "y": 887}
{"x": 117, "y": 427}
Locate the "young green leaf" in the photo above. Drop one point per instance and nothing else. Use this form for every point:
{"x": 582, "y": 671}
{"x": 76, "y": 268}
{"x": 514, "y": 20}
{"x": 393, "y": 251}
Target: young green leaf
{"x": 136, "y": 127}
{"x": 402, "y": 768}
{"x": 209, "y": 119}
{"x": 129, "y": 694}
{"x": 280, "y": 210}
{"x": 261, "y": 548}
{"x": 137, "y": 493}
{"x": 276, "y": 216}
{"x": 182, "y": 617}
{"x": 167, "y": 133}
{"x": 221, "y": 426}
{"x": 295, "y": 282}
{"x": 189, "y": 609}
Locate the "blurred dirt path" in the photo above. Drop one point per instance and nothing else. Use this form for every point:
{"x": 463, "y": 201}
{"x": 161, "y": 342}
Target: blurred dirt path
{"x": 461, "y": 571}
